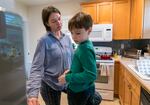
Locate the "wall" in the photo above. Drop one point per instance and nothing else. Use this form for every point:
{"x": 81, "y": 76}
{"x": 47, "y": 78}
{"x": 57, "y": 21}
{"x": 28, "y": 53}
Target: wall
{"x": 146, "y": 20}
{"x": 13, "y": 6}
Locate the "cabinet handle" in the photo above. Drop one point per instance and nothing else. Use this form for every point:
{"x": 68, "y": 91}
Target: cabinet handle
{"x": 129, "y": 86}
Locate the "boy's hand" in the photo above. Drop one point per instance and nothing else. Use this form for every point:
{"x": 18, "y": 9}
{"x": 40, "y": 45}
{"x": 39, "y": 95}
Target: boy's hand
{"x": 66, "y": 71}
{"x": 61, "y": 79}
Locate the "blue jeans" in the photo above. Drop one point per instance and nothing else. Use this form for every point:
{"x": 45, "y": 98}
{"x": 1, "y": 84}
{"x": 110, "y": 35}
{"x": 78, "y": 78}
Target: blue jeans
{"x": 49, "y": 95}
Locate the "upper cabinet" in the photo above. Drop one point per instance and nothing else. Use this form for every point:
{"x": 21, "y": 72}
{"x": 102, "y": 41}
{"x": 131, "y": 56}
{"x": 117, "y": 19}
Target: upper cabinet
{"x": 136, "y": 26}
{"x": 140, "y": 24}
{"x": 90, "y": 9}
{"x": 121, "y": 19}
{"x": 116, "y": 13}
{"x": 100, "y": 12}
{"x": 130, "y": 18}
{"x": 104, "y": 13}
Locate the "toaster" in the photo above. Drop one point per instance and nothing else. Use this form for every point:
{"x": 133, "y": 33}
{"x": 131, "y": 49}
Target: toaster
{"x": 132, "y": 53}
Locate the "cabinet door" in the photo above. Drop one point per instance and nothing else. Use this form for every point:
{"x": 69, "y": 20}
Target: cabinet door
{"x": 137, "y": 7}
{"x": 121, "y": 19}
{"x": 90, "y": 9}
{"x": 116, "y": 78}
{"x": 135, "y": 100}
{"x": 132, "y": 90}
{"x": 121, "y": 84}
{"x": 104, "y": 13}
{"x": 128, "y": 94}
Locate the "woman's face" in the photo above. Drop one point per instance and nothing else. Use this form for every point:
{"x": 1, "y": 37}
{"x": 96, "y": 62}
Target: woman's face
{"x": 54, "y": 22}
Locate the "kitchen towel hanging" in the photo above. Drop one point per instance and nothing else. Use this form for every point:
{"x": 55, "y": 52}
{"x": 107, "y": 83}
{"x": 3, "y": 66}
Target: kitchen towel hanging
{"x": 104, "y": 69}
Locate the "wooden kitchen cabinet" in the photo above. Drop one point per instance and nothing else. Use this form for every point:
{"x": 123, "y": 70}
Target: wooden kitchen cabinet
{"x": 116, "y": 77}
{"x": 127, "y": 93}
{"x": 132, "y": 90}
{"x": 116, "y": 12}
{"x": 104, "y": 13}
{"x": 137, "y": 7}
{"x": 101, "y": 12}
{"x": 90, "y": 8}
{"x": 130, "y": 18}
{"x": 140, "y": 15}
{"x": 129, "y": 88}
{"x": 121, "y": 20}
{"x": 121, "y": 84}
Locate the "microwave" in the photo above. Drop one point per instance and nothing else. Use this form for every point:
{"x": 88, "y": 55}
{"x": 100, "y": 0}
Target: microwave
{"x": 101, "y": 33}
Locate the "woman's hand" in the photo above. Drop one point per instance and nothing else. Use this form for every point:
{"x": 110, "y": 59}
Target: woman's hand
{"x": 33, "y": 101}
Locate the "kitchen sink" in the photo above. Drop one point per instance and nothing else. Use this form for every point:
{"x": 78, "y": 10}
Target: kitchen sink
{"x": 141, "y": 74}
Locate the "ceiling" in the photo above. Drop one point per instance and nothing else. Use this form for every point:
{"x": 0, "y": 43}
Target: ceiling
{"x": 41, "y": 2}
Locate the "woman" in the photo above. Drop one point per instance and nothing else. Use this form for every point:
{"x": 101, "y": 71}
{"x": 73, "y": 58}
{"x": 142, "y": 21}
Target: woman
{"x": 52, "y": 57}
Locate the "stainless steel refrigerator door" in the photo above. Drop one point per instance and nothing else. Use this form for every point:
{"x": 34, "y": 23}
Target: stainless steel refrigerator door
{"x": 12, "y": 70}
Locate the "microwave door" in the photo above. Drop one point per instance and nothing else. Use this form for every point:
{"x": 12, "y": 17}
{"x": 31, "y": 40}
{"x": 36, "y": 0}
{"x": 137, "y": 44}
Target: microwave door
{"x": 96, "y": 35}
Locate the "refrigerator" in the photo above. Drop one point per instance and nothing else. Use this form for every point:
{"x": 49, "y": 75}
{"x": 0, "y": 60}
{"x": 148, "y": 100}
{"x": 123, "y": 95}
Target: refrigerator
{"x": 12, "y": 66}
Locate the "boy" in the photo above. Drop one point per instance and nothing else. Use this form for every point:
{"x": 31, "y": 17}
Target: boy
{"x": 82, "y": 74}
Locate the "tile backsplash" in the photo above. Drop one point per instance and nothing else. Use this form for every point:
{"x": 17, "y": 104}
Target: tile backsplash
{"x": 118, "y": 45}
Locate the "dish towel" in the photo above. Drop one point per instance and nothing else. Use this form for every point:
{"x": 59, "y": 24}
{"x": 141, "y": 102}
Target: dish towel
{"x": 104, "y": 70}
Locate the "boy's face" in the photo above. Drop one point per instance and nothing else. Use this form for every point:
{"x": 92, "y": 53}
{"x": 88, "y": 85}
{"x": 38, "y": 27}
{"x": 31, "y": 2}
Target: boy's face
{"x": 80, "y": 34}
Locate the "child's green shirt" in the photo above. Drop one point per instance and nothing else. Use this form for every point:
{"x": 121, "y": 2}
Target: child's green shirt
{"x": 83, "y": 69}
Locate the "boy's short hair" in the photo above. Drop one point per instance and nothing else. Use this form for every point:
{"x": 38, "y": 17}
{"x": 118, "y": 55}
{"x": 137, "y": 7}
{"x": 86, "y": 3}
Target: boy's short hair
{"x": 80, "y": 20}
{"x": 46, "y": 12}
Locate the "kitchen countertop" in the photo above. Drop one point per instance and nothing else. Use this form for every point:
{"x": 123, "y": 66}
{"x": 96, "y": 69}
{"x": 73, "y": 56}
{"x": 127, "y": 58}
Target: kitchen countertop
{"x": 126, "y": 61}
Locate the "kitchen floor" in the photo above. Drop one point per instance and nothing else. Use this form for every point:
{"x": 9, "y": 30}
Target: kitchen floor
{"x": 64, "y": 101}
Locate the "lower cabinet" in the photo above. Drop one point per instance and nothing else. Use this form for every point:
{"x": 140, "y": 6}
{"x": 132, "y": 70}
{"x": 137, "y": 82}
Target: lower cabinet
{"x": 121, "y": 84}
{"x": 116, "y": 78}
{"x": 129, "y": 91}
{"x": 135, "y": 100}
